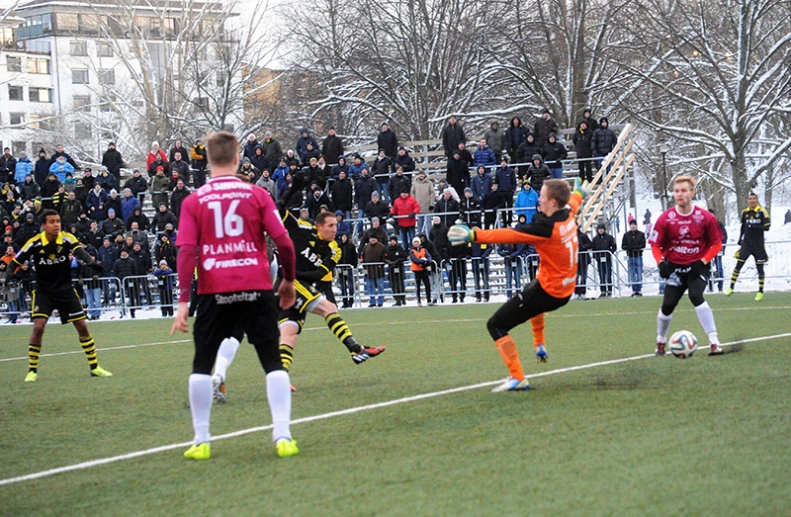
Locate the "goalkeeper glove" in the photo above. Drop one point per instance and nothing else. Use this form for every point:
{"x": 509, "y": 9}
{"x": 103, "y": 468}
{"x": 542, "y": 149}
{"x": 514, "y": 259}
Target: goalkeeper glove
{"x": 460, "y": 234}
{"x": 666, "y": 269}
{"x": 582, "y": 188}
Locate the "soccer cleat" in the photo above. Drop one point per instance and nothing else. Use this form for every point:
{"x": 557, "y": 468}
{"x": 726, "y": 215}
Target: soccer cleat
{"x": 100, "y": 372}
{"x": 202, "y": 451}
{"x": 366, "y": 353}
{"x": 31, "y": 377}
{"x": 728, "y": 292}
{"x": 512, "y": 384}
{"x": 541, "y": 354}
{"x": 660, "y": 349}
{"x": 286, "y": 447}
{"x": 759, "y": 297}
{"x": 218, "y": 389}
{"x": 715, "y": 349}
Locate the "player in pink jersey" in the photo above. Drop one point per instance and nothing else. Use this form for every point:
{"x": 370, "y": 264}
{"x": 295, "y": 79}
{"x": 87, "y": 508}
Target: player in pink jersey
{"x": 684, "y": 241}
{"x": 223, "y": 227}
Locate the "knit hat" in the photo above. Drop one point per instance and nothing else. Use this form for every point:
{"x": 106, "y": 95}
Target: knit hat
{"x": 416, "y": 240}
{"x": 163, "y": 262}
{"x": 601, "y": 226}
{"x": 111, "y": 211}
{"x": 468, "y": 189}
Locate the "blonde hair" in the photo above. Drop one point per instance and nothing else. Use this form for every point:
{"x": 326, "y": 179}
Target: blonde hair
{"x": 688, "y": 179}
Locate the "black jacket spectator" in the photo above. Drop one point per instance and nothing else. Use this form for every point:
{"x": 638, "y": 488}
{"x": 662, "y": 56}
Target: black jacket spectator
{"x": 604, "y": 242}
{"x": 178, "y": 147}
{"x": 183, "y": 169}
{"x": 492, "y": 201}
{"x": 582, "y": 141}
{"x": 113, "y": 160}
{"x": 125, "y": 267}
{"x": 592, "y": 124}
{"x": 176, "y": 199}
{"x": 378, "y": 209}
{"x": 259, "y": 161}
{"x": 140, "y": 218}
{"x": 108, "y": 254}
{"x": 113, "y": 226}
{"x": 604, "y": 139}
{"x": 342, "y": 194}
{"x": 537, "y": 174}
{"x": 304, "y": 139}
{"x": 554, "y": 152}
{"x": 439, "y": 236}
{"x": 458, "y": 175}
{"x": 633, "y": 243}
{"x": 404, "y": 160}
{"x": 515, "y": 135}
{"x": 70, "y": 211}
{"x": 399, "y": 183}
{"x": 162, "y": 219}
{"x": 470, "y": 211}
{"x": 374, "y": 231}
{"x": 137, "y": 184}
{"x": 316, "y": 199}
{"x": 29, "y": 189}
{"x": 58, "y": 154}
{"x": 452, "y": 134}
{"x": 272, "y": 150}
{"x": 332, "y": 147}
{"x": 447, "y": 210}
{"x": 249, "y": 147}
{"x": 388, "y": 141}
{"x": 41, "y": 169}
{"x": 363, "y": 188}
{"x": 543, "y": 128}
{"x": 8, "y": 167}
{"x": 314, "y": 174}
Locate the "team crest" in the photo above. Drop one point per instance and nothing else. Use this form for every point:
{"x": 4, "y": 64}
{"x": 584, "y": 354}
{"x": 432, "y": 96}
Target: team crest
{"x": 671, "y": 215}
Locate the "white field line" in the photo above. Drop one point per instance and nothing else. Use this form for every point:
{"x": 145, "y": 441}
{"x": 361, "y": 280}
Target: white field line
{"x": 357, "y": 325}
{"x": 344, "y": 412}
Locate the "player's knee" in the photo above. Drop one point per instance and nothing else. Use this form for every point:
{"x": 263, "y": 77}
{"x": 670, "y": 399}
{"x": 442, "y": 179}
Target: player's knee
{"x": 696, "y": 299}
{"x": 495, "y": 329}
{"x": 38, "y": 331}
{"x": 203, "y": 363}
{"x": 668, "y": 308}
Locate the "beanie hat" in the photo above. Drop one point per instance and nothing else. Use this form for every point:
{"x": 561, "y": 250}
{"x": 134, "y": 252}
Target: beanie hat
{"x": 601, "y": 226}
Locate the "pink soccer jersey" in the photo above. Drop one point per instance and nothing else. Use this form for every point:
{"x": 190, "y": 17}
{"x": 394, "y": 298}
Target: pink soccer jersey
{"x": 685, "y": 239}
{"x": 227, "y": 220}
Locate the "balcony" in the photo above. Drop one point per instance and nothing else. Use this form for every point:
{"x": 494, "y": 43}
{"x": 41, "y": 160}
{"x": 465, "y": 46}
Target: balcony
{"x": 32, "y": 31}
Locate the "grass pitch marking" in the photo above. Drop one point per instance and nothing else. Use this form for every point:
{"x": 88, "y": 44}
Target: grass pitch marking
{"x": 333, "y": 414}
{"x": 463, "y": 320}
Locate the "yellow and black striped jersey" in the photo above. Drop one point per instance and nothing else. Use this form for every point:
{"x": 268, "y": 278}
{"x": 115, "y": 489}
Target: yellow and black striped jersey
{"x": 50, "y": 259}
{"x": 316, "y": 259}
{"x": 755, "y": 221}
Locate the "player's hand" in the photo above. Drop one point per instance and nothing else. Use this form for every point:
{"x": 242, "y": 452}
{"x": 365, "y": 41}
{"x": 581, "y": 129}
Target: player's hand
{"x": 96, "y": 266}
{"x": 666, "y": 269}
{"x": 180, "y": 322}
{"x": 287, "y": 294}
{"x": 582, "y": 187}
{"x": 459, "y": 234}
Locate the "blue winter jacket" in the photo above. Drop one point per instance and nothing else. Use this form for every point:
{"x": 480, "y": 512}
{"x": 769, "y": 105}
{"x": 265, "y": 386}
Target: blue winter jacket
{"x": 60, "y": 169}
{"x": 484, "y": 156}
{"x": 481, "y": 185}
{"x": 23, "y": 168}
{"x": 526, "y": 203}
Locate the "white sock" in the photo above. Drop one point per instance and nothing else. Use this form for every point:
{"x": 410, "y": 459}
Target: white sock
{"x": 278, "y": 392}
{"x": 225, "y": 355}
{"x": 662, "y": 324}
{"x": 706, "y": 318}
{"x": 200, "y": 405}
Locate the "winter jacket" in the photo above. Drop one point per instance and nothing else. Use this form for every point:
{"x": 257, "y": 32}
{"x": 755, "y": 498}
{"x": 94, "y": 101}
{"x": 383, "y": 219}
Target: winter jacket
{"x": 492, "y": 201}
{"x": 373, "y": 256}
{"x": 406, "y": 162}
{"x": 484, "y": 156}
{"x": 388, "y": 141}
{"x": 380, "y": 169}
{"x": 470, "y": 211}
{"x": 198, "y": 156}
{"x": 70, "y": 211}
{"x": 249, "y": 148}
{"x": 314, "y": 203}
{"x": 348, "y": 252}
{"x": 269, "y": 185}
{"x": 29, "y": 190}
{"x": 633, "y": 243}
{"x": 152, "y": 169}
{"x": 7, "y": 168}
{"x": 113, "y": 160}
{"x": 41, "y": 170}
{"x": 537, "y": 175}
{"x": 495, "y": 139}
{"x": 152, "y": 158}
{"x": 543, "y": 128}
{"x": 342, "y": 195}
{"x": 514, "y": 136}
{"x": 332, "y": 148}
{"x": 60, "y": 170}
{"x": 423, "y": 192}
{"x": 451, "y": 136}
{"x": 582, "y": 142}
{"x": 23, "y": 167}
{"x": 272, "y": 151}
{"x": 183, "y": 169}
{"x": 177, "y": 198}
{"x": 107, "y": 181}
{"x": 136, "y": 185}
{"x": 553, "y": 153}
{"x": 162, "y": 219}
{"x": 400, "y": 183}
{"x": 458, "y": 175}
{"x": 159, "y": 187}
{"x": 96, "y": 204}
{"x": 420, "y": 259}
{"x": 481, "y": 185}
{"x": 302, "y": 145}
{"x": 525, "y": 153}
{"x": 355, "y": 171}
{"x": 69, "y": 159}
{"x": 140, "y": 218}
{"x": 259, "y": 161}
{"x": 363, "y": 188}
{"x": 378, "y": 232}
{"x": 604, "y": 140}
{"x": 602, "y": 243}
{"x": 405, "y": 211}
{"x": 438, "y": 235}
{"x": 447, "y": 210}
{"x": 125, "y": 267}
{"x": 113, "y": 227}
{"x": 380, "y": 210}
{"x": 505, "y": 177}
{"x": 315, "y": 175}
{"x": 185, "y": 157}
{"x": 526, "y": 202}
{"x": 107, "y": 258}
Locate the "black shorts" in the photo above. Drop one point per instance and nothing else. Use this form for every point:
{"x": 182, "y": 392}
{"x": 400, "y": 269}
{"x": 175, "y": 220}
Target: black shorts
{"x": 307, "y": 298}
{"x": 529, "y": 303}
{"x": 747, "y": 250}
{"x": 65, "y": 301}
{"x": 692, "y": 279}
{"x": 219, "y": 316}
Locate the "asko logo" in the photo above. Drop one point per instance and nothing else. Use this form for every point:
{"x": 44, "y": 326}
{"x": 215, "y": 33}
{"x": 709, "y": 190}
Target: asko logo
{"x": 211, "y": 263}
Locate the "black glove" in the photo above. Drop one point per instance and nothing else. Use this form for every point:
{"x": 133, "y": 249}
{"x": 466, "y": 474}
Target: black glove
{"x": 412, "y": 215}
{"x": 666, "y": 269}
{"x": 96, "y": 266}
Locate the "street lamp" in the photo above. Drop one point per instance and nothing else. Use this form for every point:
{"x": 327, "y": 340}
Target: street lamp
{"x": 663, "y": 150}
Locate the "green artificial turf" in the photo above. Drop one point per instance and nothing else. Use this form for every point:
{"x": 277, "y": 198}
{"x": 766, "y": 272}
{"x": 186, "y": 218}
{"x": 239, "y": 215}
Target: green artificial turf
{"x": 654, "y": 436}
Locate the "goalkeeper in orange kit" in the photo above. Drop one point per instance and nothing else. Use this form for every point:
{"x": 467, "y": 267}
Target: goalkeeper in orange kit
{"x": 553, "y": 232}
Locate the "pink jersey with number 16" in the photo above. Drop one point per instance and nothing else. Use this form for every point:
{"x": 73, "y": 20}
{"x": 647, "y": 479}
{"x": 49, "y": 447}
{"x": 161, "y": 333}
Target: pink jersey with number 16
{"x": 227, "y": 220}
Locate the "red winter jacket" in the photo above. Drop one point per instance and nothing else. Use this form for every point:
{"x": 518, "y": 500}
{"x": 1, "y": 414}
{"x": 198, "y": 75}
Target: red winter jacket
{"x": 405, "y": 207}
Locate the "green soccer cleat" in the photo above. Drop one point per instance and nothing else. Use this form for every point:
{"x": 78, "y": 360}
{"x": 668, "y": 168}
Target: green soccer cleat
{"x": 31, "y": 377}
{"x": 286, "y": 447}
{"x": 100, "y": 372}
{"x": 728, "y": 292}
{"x": 759, "y": 297}
{"x": 200, "y": 452}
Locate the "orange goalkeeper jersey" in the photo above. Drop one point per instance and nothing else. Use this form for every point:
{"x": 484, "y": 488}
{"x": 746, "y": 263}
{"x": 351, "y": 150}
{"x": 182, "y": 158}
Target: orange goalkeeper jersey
{"x": 555, "y": 239}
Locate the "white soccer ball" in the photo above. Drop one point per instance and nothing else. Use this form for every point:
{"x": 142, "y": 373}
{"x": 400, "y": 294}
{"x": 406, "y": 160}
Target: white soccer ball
{"x": 683, "y": 344}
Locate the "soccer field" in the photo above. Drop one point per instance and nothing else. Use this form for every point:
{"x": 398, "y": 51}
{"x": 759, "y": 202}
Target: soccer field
{"x": 415, "y": 431}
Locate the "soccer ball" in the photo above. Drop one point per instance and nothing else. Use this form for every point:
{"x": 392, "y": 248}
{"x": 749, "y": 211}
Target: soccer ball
{"x": 683, "y": 344}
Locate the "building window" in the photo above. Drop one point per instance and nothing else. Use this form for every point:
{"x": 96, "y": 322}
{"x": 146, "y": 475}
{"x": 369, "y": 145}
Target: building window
{"x": 18, "y": 148}
{"x": 82, "y": 130}
{"x": 16, "y": 118}
{"x": 104, "y": 50}
{"x": 79, "y": 76}
{"x": 37, "y": 65}
{"x": 79, "y": 48}
{"x": 68, "y": 22}
{"x": 37, "y": 123}
{"x": 107, "y": 76}
{"x": 16, "y": 93}
{"x": 81, "y": 102}
{"x": 107, "y": 103}
{"x": 14, "y": 63}
{"x": 40, "y": 94}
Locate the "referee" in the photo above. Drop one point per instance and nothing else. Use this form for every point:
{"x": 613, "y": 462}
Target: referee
{"x": 755, "y": 223}
{"x": 49, "y": 252}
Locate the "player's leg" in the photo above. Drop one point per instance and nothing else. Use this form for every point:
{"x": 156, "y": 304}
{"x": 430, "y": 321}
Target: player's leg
{"x": 225, "y": 356}
{"x": 89, "y": 347}
{"x": 760, "y": 259}
{"x": 697, "y": 286}
{"x": 741, "y": 257}
{"x": 664, "y": 317}
{"x": 261, "y": 332}
{"x": 538, "y": 325}
{"x": 329, "y": 311}
{"x": 34, "y": 348}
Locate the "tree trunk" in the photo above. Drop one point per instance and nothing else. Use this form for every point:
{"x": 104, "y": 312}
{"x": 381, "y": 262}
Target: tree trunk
{"x": 768, "y": 186}
{"x": 740, "y": 183}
